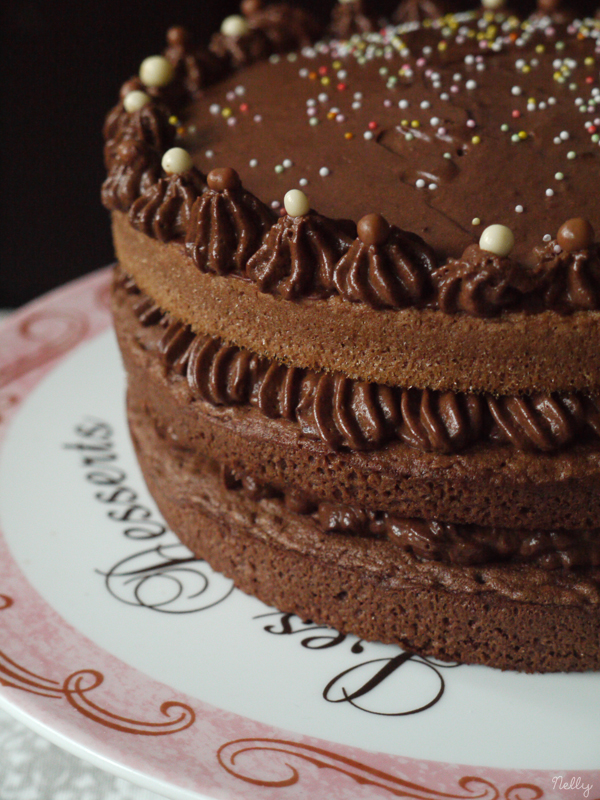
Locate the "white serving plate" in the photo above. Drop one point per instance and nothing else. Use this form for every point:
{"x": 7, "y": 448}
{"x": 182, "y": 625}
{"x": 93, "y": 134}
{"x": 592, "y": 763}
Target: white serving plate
{"x": 118, "y": 645}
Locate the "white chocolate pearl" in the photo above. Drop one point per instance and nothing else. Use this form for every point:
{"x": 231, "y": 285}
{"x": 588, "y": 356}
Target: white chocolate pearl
{"x": 296, "y": 203}
{"x": 156, "y": 71}
{"x": 234, "y": 26}
{"x": 176, "y": 160}
{"x": 135, "y": 100}
{"x": 497, "y": 239}
{"x": 492, "y": 5}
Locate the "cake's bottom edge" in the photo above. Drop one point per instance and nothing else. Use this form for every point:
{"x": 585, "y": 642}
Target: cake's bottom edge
{"x": 329, "y": 587}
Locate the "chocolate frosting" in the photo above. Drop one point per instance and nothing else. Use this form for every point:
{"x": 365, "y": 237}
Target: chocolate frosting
{"x": 469, "y": 545}
{"x": 350, "y": 18}
{"x": 163, "y": 210}
{"x": 434, "y": 541}
{"x": 568, "y": 281}
{"x": 286, "y": 27}
{"x": 479, "y": 283}
{"x": 238, "y": 51}
{"x": 418, "y": 10}
{"x": 436, "y": 148}
{"x": 441, "y": 421}
{"x": 225, "y": 229}
{"x": 195, "y": 67}
{"x": 346, "y": 413}
{"x": 149, "y": 125}
{"x": 135, "y": 168}
{"x": 396, "y": 273}
{"x": 299, "y": 255}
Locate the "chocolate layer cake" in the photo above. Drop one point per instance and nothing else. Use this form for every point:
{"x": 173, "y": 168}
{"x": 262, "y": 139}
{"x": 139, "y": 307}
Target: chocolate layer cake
{"x": 378, "y": 408}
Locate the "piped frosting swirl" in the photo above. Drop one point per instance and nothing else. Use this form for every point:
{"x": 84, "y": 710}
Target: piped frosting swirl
{"x": 163, "y": 210}
{"x": 480, "y": 284}
{"x": 227, "y": 225}
{"x": 299, "y": 255}
{"x": 393, "y": 270}
{"x": 135, "y": 169}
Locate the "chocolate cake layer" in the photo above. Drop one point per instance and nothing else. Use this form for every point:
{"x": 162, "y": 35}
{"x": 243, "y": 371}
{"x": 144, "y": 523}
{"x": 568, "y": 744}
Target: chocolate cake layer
{"x": 410, "y": 347}
{"x": 376, "y": 406}
{"x": 492, "y": 485}
{"x": 507, "y": 617}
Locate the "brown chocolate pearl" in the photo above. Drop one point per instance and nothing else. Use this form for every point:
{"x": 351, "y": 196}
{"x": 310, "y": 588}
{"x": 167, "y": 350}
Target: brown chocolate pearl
{"x": 177, "y": 36}
{"x": 373, "y": 229}
{"x": 223, "y": 178}
{"x": 250, "y": 7}
{"x": 575, "y": 234}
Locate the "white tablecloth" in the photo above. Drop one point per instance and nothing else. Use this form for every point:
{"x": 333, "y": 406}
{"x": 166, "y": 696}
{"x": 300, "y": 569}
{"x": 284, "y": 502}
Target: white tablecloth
{"x": 33, "y": 769}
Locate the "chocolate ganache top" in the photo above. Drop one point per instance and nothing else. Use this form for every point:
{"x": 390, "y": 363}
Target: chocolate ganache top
{"x": 418, "y": 139}
{"x": 443, "y": 127}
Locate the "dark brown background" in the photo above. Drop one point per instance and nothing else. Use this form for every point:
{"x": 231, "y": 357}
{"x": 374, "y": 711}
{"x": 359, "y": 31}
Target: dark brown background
{"x": 63, "y": 63}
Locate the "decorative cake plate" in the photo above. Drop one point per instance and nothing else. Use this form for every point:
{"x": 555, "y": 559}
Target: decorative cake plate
{"x": 120, "y": 646}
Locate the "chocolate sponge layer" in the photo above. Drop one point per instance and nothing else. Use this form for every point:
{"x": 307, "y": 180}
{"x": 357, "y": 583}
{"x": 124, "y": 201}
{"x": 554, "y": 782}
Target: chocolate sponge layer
{"x": 515, "y": 354}
{"x": 361, "y": 587}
